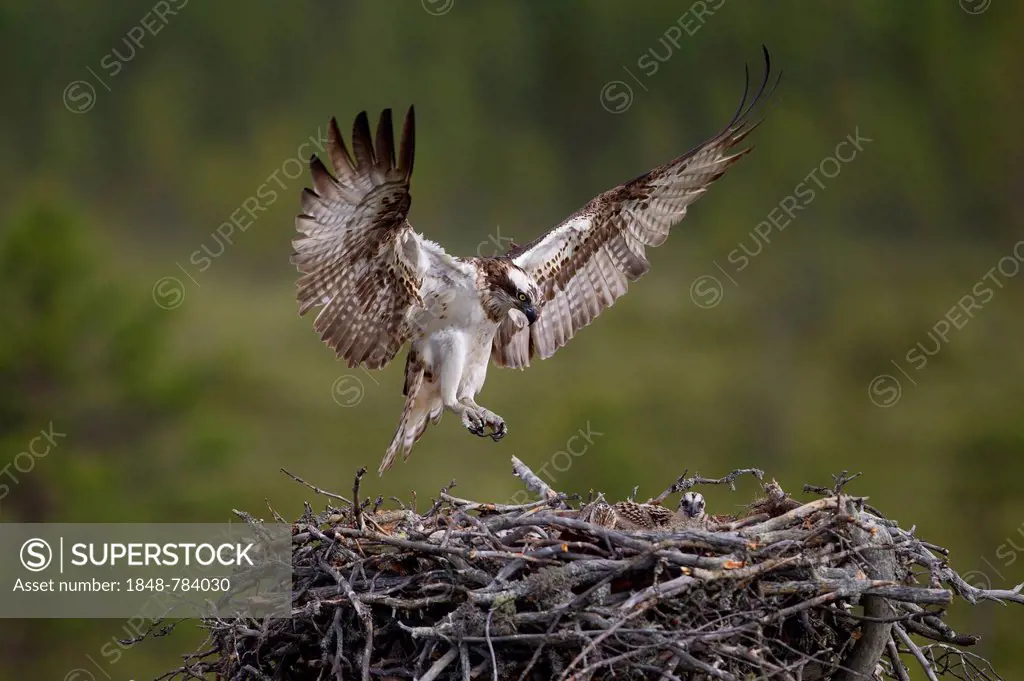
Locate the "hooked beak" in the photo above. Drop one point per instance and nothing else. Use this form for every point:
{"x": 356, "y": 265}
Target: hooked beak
{"x": 531, "y": 313}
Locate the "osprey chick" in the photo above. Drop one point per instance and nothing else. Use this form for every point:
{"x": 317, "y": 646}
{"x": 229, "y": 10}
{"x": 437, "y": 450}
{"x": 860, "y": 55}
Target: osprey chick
{"x": 380, "y": 284}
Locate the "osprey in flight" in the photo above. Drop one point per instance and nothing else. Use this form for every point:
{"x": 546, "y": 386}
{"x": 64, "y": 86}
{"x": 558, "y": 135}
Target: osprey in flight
{"x": 379, "y": 283}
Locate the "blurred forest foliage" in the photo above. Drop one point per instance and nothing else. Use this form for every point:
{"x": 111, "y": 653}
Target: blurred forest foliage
{"x": 173, "y": 361}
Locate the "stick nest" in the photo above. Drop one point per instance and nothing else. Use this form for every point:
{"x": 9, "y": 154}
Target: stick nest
{"x": 565, "y": 588}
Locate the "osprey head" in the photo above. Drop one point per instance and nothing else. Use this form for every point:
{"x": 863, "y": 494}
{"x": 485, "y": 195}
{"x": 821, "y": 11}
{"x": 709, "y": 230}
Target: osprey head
{"x": 692, "y": 505}
{"x": 507, "y": 287}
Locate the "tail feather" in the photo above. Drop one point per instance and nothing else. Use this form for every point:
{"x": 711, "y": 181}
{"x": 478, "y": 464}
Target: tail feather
{"x": 410, "y": 429}
{"x": 417, "y": 414}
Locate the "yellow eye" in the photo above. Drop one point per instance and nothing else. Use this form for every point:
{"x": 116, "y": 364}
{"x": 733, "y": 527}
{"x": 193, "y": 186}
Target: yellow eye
{"x": 522, "y": 296}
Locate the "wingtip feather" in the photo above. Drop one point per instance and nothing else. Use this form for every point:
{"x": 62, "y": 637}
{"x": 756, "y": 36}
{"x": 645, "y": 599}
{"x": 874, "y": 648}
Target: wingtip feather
{"x": 408, "y": 144}
{"x": 362, "y": 141}
{"x": 337, "y": 151}
{"x": 385, "y": 142}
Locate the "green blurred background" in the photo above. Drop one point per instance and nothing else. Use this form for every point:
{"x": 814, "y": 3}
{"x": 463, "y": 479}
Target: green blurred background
{"x": 176, "y": 365}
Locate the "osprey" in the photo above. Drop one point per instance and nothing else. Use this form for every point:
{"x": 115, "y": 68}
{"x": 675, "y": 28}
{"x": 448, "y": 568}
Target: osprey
{"x": 380, "y": 284}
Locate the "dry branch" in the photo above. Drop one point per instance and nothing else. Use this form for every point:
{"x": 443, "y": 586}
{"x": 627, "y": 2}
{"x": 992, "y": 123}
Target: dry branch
{"x": 827, "y": 589}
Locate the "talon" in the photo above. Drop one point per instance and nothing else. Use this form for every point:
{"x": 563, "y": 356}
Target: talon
{"x": 500, "y": 431}
{"x": 474, "y": 424}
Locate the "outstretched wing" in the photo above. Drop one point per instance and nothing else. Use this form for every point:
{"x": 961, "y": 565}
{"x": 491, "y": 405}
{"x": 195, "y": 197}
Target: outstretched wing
{"x": 585, "y": 264}
{"x": 358, "y": 256}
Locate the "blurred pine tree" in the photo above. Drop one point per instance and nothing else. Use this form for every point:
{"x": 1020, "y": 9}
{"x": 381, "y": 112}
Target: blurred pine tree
{"x": 84, "y": 361}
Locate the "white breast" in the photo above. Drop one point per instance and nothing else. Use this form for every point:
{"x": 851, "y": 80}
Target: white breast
{"x": 454, "y": 321}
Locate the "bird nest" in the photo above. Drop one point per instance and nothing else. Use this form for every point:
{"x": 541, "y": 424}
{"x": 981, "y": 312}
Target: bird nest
{"x": 567, "y": 588}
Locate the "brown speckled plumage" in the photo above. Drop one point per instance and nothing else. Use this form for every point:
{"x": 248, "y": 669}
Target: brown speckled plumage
{"x": 631, "y": 515}
{"x": 587, "y": 262}
{"x": 349, "y": 251}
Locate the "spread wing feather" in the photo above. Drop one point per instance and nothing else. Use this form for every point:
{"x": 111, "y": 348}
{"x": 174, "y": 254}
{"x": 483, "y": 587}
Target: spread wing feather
{"x": 585, "y": 264}
{"x": 357, "y": 253}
